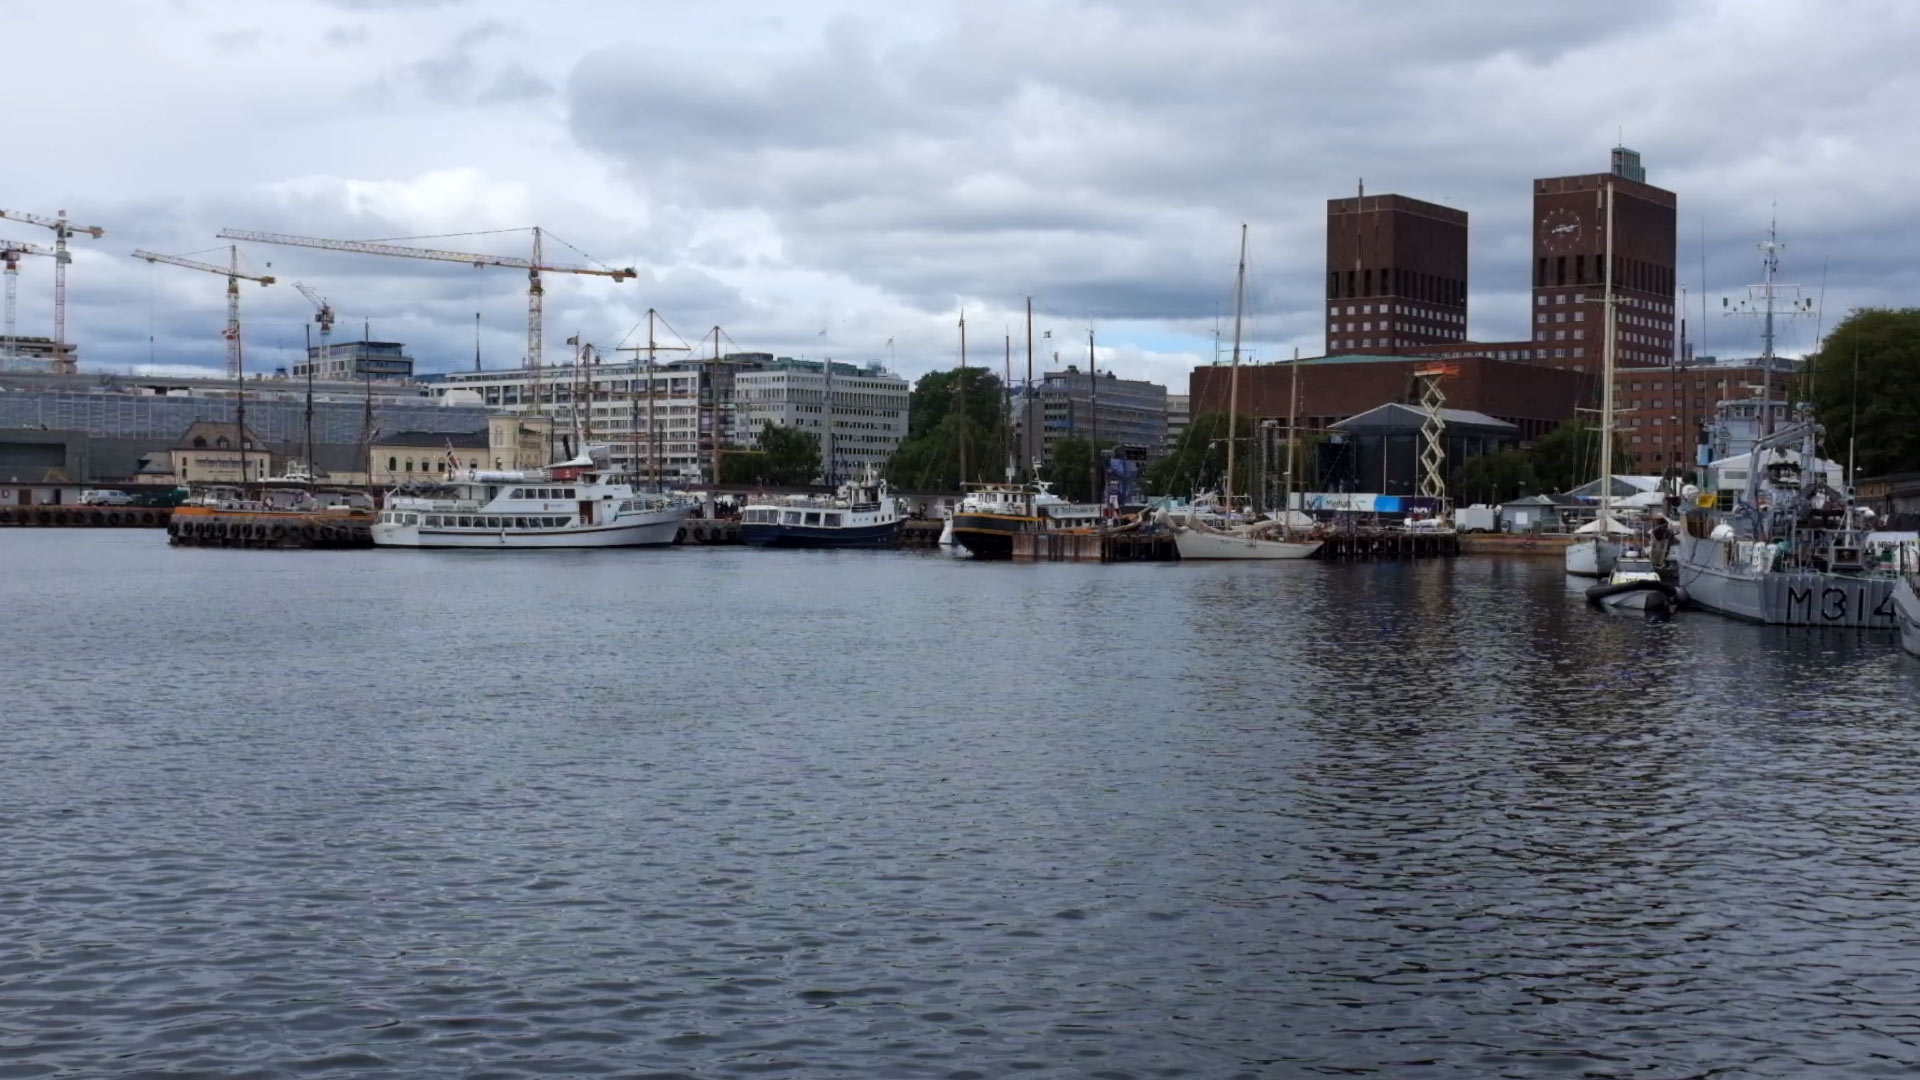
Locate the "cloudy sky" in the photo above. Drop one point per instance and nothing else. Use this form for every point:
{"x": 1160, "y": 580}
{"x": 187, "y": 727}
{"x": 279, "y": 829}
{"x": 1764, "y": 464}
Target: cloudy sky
{"x": 785, "y": 167}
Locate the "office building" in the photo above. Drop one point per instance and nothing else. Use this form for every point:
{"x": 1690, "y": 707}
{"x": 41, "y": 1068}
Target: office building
{"x": 863, "y": 409}
{"x": 1396, "y": 274}
{"x": 1109, "y": 409}
{"x": 352, "y": 361}
{"x": 1570, "y": 268}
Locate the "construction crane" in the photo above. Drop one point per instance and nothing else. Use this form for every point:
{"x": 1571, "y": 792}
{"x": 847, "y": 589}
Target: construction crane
{"x": 234, "y": 277}
{"x": 62, "y": 229}
{"x": 322, "y": 317}
{"x": 534, "y": 267}
{"x": 10, "y": 252}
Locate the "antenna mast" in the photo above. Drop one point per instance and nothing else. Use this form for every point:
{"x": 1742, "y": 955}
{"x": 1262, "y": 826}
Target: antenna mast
{"x": 1233, "y": 375}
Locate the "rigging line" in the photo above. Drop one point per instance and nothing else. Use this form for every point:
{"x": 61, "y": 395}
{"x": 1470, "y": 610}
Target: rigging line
{"x": 446, "y": 236}
{"x": 675, "y": 333}
{"x": 577, "y": 251}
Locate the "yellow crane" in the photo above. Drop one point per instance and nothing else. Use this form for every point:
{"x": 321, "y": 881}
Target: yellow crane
{"x": 534, "y": 266}
{"x": 234, "y": 277}
{"x": 62, "y": 229}
{"x": 10, "y": 252}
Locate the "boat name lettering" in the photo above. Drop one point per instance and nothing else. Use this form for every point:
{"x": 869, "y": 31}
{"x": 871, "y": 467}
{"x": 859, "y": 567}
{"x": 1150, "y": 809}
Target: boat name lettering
{"x": 1833, "y": 604}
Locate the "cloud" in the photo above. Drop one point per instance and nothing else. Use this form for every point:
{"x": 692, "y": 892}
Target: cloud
{"x": 875, "y": 167}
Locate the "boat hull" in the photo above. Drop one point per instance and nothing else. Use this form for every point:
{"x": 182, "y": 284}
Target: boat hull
{"x": 1906, "y": 607}
{"x": 1202, "y": 545}
{"x": 654, "y": 529}
{"x": 882, "y": 535}
{"x": 1592, "y": 557}
{"x": 990, "y": 536}
{"x": 1718, "y": 578}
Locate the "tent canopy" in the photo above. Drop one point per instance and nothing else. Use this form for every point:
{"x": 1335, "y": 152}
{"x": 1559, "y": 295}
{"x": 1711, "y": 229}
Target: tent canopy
{"x": 1613, "y": 526}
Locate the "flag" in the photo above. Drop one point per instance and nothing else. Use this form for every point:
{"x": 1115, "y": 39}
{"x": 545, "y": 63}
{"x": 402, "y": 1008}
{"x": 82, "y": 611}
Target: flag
{"x": 889, "y": 343}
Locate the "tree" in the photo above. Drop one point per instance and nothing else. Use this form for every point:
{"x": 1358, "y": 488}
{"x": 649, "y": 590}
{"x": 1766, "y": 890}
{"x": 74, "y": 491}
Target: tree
{"x": 1069, "y": 467}
{"x": 930, "y": 458}
{"x": 785, "y": 457}
{"x": 1199, "y": 461}
{"x": 1883, "y": 346}
{"x": 1494, "y": 478}
{"x": 1569, "y": 456}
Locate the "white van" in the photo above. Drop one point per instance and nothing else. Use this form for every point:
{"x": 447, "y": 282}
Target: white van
{"x": 100, "y": 497}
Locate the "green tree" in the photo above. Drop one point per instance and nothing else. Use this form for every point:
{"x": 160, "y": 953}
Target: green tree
{"x": 1569, "y": 456}
{"x": 930, "y": 458}
{"x": 1494, "y": 478}
{"x": 1199, "y": 460}
{"x": 784, "y": 457}
{"x": 1069, "y": 467}
{"x": 1871, "y": 363}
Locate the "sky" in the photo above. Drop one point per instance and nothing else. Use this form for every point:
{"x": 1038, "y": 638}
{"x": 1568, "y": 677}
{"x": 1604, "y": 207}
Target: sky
{"x": 847, "y": 178}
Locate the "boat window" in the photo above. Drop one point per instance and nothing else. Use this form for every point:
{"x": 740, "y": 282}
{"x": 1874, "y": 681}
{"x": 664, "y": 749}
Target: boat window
{"x": 520, "y": 523}
{"x": 813, "y": 518}
{"x": 413, "y": 519}
{"x": 491, "y": 523}
{"x": 466, "y": 523}
{"x": 432, "y": 520}
{"x": 793, "y": 517}
{"x": 833, "y": 521}
{"x": 569, "y": 493}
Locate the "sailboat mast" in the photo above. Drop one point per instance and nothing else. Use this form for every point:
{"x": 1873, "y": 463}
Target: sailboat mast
{"x": 1027, "y": 433}
{"x": 653, "y": 439}
{"x": 1093, "y": 422}
{"x": 960, "y": 397}
{"x": 1233, "y": 374}
{"x": 1606, "y": 383}
{"x": 1293, "y": 410}
{"x": 1771, "y": 265}
{"x": 1006, "y": 408}
{"x": 312, "y": 473}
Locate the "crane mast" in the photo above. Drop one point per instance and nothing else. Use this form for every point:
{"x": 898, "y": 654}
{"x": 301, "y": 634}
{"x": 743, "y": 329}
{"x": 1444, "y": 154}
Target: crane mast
{"x": 534, "y": 267}
{"x": 62, "y": 230}
{"x": 323, "y": 318}
{"x": 10, "y": 252}
{"x": 232, "y": 273}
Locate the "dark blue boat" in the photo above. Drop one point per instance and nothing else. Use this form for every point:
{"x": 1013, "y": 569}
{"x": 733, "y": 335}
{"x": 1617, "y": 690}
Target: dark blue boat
{"x": 859, "y": 515}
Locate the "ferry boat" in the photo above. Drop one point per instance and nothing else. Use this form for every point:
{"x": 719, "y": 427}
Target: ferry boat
{"x": 991, "y": 515}
{"x": 566, "y": 505}
{"x": 860, "y": 514}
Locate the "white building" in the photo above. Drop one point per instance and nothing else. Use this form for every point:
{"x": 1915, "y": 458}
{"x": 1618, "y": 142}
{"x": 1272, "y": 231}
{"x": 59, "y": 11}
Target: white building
{"x": 697, "y": 409}
{"x": 1177, "y": 420}
{"x": 868, "y": 419}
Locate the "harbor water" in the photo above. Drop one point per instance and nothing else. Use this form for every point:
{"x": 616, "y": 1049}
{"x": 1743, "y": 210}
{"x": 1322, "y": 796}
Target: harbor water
{"x": 711, "y": 812}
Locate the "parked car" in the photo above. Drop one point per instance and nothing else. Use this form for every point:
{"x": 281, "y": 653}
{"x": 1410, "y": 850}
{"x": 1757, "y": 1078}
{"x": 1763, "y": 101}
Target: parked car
{"x": 105, "y": 497}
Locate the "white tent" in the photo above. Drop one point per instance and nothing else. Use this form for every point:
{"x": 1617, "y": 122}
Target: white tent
{"x": 1613, "y": 526}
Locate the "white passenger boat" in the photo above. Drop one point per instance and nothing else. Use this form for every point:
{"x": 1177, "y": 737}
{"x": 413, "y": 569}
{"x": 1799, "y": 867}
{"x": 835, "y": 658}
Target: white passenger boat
{"x": 568, "y": 505}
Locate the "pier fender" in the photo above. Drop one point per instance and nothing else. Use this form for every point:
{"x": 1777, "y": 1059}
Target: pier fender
{"x": 277, "y": 532}
{"x": 113, "y": 519}
{"x": 681, "y": 536}
{"x": 309, "y": 533}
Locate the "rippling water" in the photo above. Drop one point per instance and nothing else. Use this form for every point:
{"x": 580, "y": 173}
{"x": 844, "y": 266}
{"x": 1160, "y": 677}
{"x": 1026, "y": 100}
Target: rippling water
{"x": 723, "y": 812}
